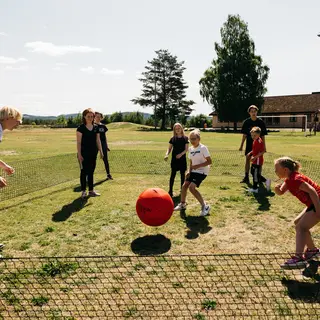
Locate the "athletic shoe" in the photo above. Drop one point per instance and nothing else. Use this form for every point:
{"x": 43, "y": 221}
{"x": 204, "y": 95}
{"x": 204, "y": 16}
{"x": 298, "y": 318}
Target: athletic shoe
{"x": 180, "y": 206}
{"x": 109, "y": 177}
{"x": 205, "y": 211}
{"x": 268, "y": 184}
{"x": 245, "y": 180}
{"x": 310, "y": 254}
{"x": 294, "y": 263}
{"x": 83, "y": 194}
{"x": 94, "y": 194}
{"x": 253, "y": 190}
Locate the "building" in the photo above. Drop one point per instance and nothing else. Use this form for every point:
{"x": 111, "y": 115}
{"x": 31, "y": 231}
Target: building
{"x": 278, "y": 106}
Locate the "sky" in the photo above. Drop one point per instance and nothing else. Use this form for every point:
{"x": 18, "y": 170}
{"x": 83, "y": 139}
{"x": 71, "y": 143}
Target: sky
{"x": 62, "y": 56}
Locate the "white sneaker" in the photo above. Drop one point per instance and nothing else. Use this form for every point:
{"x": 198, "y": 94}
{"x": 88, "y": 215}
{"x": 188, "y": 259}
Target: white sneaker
{"x": 83, "y": 194}
{"x": 180, "y": 206}
{"x": 205, "y": 211}
{"x": 268, "y": 184}
{"x": 253, "y": 190}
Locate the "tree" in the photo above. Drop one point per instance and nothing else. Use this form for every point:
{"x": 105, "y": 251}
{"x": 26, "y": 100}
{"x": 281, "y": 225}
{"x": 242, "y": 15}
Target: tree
{"x": 61, "y": 120}
{"x": 237, "y": 77}
{"x": 164, "y": 88}
{"x": 116, "y": 117}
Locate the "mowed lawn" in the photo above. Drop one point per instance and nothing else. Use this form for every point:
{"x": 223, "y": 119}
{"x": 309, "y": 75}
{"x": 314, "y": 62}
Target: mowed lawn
{"x": 55, "y": 222}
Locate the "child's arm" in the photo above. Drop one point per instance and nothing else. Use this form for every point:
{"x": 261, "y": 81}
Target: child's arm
{"x": 99, "y": 145}
{"x": 183, "y": 152}
{"x": 168, "y": 151}
{"x": 204, "y": 164}
{"x": 190, "y": 169}
{"x": 3, "y": 182}
{"x": 313, "y": 195}
{"x": 79, "y": 138}
{"x": 264, "y": 143}
{"x": 6, "y": 168}
{"x": 280, "y": 189}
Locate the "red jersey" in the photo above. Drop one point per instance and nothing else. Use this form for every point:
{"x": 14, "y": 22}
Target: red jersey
{"x": 257, "y": 147}
{"x": 293, "y": 183}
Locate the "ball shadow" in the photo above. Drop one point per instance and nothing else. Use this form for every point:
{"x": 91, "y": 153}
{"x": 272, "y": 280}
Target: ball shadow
{"x": 151, "y": 245}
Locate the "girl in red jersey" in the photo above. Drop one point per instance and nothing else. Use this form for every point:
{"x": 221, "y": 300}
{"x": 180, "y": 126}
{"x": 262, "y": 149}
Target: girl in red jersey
{"x": 308, "y": 192}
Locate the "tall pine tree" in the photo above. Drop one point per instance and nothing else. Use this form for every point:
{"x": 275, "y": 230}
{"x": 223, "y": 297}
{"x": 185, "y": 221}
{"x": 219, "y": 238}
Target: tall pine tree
{"x": 237, "y": 77}
{"x": 164, "y": 89}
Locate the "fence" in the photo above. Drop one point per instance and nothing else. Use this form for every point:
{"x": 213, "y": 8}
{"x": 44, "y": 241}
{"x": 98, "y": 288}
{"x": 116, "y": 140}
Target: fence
{"x": 156, "y": 287}
{"x": 36, "y": 174}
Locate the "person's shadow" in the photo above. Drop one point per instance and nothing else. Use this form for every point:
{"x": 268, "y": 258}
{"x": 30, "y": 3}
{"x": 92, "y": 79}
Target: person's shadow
{"x": 67, "y": 210}
{"x": 304, "y": 291}
{"x": 151, "y": 245}
{"x": 78, "y": 188}
{"x": 262, "y": 197}
{"x": 196, "y": 225}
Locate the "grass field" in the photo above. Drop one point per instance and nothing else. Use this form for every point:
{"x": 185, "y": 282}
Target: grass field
{"x": 53, "y": 221}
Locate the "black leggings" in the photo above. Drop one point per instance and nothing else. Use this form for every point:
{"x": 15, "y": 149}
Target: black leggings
{"x": 256, "y": 175}
{"x": 173, "y": 175}
{"x": 105, "y": 157}
{"x": 87, "y": 166}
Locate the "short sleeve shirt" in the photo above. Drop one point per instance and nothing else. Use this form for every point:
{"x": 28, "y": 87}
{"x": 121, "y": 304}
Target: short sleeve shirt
{"x": 198, "y": 155}
{"x": 102, "y": 129}
{"x": 248, "y": 124}
{"x": 178, "y": 146}
{"x": 257, "y": 147}
{"x": 88, "y": 141}
{"x": 1, "y": 132}
{"x": 294, "y": 182}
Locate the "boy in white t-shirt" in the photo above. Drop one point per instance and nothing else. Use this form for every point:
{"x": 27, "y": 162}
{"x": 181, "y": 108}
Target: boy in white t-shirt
{"x": 200, "y": 161}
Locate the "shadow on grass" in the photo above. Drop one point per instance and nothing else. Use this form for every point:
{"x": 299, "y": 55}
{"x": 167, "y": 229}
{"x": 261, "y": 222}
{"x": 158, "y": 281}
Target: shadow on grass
{"x": 262, "y": 197}
{"x": 78, "y": 188}
{"x": 68, "y": 209}
{"x": 196, "y": 225}
{"x": 304, "y": 291}
{"x": 151, "y": 245}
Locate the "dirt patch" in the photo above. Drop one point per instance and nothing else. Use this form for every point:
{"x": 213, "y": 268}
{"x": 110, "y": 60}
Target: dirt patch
{"x": 8, "y": 153}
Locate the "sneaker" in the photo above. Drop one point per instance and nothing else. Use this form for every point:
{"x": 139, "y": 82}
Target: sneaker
{"x": 94, "y": 194}
{"x": 268, "y": 184}
{"x": 205, "y": 211}
{"x": 109, "y": 177}
{"x": 245, "y": 180}
{"x": 294, "y": 263}
{"x": 310, "y": 254}
{"x": 180, "y": 206}
{"x": 83, "y": 194}
{"x": 253, "y": 190}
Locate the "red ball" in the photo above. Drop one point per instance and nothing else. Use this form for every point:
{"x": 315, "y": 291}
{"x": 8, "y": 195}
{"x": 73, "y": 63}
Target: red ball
{"x": 154, "y": 207}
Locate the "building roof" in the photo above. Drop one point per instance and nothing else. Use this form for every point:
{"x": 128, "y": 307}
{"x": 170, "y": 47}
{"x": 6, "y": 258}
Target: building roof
{"x": 292, "y": 104}
{"x": 299, "y": 103}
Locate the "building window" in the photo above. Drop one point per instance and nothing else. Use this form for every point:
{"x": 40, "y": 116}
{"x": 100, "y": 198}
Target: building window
{"x": 276, "y": 120}
{"x": 293, "y": 119}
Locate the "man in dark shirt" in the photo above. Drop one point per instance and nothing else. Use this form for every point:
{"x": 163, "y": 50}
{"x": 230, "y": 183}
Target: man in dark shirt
{"x": 247, "y": 125}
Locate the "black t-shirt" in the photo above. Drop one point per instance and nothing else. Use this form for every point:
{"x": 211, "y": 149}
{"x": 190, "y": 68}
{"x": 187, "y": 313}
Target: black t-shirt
{"x": 88, "y": 141}
{"x": 102, "y": 129}
{"x": 179, "y": 145}
{"x": 248, "y": 124}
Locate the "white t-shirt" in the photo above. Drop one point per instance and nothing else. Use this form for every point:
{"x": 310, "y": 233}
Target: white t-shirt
{"x": 198, "y": 155}
{"x": 1, "y": 131}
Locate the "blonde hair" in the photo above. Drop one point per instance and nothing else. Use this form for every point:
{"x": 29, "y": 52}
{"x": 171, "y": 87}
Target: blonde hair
{"x": 174, "y": 128}
{"x": 195, "y": 132}
{"x": 256, "y": 130}
{"x": 253, "y": 107}
{"x": 10, "y": 112}
{"x": 287, "y": 162}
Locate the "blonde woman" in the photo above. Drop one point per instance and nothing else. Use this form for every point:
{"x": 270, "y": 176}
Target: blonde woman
{"x": 178, "y": 144}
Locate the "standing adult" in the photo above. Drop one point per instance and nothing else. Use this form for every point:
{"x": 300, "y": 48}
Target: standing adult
{"x": 248, "y": 124}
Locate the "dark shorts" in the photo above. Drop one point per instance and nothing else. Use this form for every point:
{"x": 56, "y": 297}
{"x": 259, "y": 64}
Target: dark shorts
{"x": 178, "y": 164}
{"x": 196, "y": 178}
{"x": 248, "y": 149}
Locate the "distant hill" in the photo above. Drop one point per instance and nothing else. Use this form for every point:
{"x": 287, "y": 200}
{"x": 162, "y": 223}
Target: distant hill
{"x": 69, "y": 115}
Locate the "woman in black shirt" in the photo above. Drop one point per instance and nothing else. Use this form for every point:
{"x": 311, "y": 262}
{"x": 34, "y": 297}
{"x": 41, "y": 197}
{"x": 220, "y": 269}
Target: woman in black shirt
{"x": 179, "y": 146}
{"x": 88, "y": 144}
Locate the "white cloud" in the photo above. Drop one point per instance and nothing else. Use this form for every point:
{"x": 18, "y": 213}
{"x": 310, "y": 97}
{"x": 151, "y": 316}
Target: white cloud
{"x": 111, "y": 72}
{"x": 88, "y": 70}
{"x": 61, "y": 64}
{"x": 21, "y": 68}
{"x": 56, "y": 68}
{"x": 9, "y": 60}
{"x": 54, "y": 50}
{"x": 3, "y": 34}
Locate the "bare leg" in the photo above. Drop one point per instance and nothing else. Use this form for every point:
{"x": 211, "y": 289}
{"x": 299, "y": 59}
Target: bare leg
{"x": 247, "y": 166}
{"x": 309, "y": 243}
{"x": 184, "y": 190}
{"x": 196, "y": 194}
